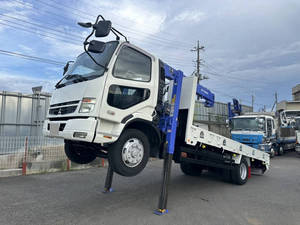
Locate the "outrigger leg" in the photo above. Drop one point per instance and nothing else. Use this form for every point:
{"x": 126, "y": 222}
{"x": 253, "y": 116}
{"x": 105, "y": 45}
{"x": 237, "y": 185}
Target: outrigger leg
{"x": 162, "y": 204}
{"x": 108, "y": 180}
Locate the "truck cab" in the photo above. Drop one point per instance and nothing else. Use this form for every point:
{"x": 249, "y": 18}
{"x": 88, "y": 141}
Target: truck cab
{"x": 94, "y": 103}
{"x": 287, "y": 117}
{"x": 257, "y": 131}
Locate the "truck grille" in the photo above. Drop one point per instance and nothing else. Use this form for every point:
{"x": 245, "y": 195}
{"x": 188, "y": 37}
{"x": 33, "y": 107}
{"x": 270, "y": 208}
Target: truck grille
{"x": 63, "y": 108}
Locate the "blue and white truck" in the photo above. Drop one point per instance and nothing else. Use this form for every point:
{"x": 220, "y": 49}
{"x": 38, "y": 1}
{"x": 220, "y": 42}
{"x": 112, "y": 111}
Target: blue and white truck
{"x": 257, "y": 130}
{"x": 272, "y": 132}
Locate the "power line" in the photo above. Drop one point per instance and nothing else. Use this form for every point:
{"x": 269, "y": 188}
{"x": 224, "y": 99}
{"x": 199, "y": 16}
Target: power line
{"x": 151, "y": 38}
{"x": 41, "y": 31}
{"x": 126, "y": 28}
{"x": 231, "y": 96}
{"x": 31, "y": 30}
{"x": 60, "y": 32}
{"x": 33, "y": 58}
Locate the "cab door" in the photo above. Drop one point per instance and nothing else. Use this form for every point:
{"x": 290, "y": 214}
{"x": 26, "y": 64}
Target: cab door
{"x": 269, "y": 128}
{"x": 130, "y": 86}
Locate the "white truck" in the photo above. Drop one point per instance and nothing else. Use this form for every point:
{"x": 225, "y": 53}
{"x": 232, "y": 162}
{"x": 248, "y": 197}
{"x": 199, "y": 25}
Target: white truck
{"x": 120, "y": 102}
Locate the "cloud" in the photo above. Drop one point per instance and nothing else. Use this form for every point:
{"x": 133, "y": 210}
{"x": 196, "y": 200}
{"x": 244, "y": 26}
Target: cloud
{"x": 194, "y": 16}
{"x": 137, "y": 20}
{"x": 20, "y": 83}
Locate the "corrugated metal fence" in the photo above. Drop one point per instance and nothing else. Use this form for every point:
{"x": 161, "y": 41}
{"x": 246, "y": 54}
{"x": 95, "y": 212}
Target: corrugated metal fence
{"x": 22, "y": 114}
{"x": 216, "y": 115}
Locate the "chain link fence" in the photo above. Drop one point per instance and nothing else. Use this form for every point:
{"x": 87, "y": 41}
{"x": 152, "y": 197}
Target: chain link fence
{"x": 15, "y": 151}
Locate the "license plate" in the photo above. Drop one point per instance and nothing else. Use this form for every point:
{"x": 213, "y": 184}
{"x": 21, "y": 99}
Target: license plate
{"x": 54, "y": 128}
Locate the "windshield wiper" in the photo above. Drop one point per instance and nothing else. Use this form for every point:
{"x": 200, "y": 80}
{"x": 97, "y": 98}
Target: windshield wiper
{"x": 59, "y": 85}
{"x": 78, "y": 76}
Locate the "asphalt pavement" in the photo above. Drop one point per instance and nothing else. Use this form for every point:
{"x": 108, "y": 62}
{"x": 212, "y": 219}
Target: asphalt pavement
{"x": 76, "y": 198}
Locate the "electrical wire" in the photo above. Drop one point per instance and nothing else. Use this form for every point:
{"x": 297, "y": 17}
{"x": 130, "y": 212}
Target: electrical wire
{"x": 33, "y": 58}
{"x": 30, "y": 29}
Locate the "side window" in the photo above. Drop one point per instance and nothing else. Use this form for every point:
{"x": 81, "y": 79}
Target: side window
{"x": 123, "y": 97}
{"x": 132, "y": 65}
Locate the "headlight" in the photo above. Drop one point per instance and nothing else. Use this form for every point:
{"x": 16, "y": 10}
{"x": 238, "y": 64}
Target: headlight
{"x": 87, "y": 105}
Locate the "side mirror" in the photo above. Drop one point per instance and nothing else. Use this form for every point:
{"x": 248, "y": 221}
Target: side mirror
{"x": 96, "y": 46}
{"x": 102, "y": 28}
{"x": 261, "y": 126}
{"x": 66, "y": 67}
{"x": 261, "y": 121}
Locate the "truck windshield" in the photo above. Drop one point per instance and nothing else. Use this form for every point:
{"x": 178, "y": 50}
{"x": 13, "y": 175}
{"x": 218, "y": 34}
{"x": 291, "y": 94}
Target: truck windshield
{"x": 84, "y": 68}
{"x": 291, "y": 114}
{"x": 248, "y": 124}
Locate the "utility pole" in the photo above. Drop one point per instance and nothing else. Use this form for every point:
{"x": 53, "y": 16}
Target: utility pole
{"x": 276, "y": 101}
{"x": 198, "y": 48}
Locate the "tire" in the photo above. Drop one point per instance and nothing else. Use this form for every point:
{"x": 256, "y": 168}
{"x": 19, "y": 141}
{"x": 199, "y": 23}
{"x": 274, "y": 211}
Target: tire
{"x": 240, "y": 173}
{"x": 78, "y": 154}
{"x": 191, "y": 169}
{"x": 226, "y": 175}
{"x": 280, "y": 150}
{"x": 272, "y": 153}
{"x": 129, "y": 155}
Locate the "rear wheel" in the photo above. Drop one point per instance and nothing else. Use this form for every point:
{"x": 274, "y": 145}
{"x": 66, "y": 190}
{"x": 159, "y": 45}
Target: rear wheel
{"x": 191, "y": 169}
{"x": 240, "y": 172}
{"x": 129, "y": 155}
{"x": 280, "y": 150}
{"x": 78, "y": 153}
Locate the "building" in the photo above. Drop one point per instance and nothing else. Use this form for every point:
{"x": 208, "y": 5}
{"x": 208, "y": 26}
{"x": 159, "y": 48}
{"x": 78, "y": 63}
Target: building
{"x": 296, "y": 93}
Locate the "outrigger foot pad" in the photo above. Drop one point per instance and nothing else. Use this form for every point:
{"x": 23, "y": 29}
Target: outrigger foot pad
{"x": 107, "y": 190}
{"x": 161, "y": 212}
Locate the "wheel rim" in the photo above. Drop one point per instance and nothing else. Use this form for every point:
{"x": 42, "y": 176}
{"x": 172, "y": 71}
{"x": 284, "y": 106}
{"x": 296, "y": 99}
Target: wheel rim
{"x": 281, "y": 150}
{"x": 243, "y": 171}
{"x": 272, "y": 152}
{"x": 132, "y": 152}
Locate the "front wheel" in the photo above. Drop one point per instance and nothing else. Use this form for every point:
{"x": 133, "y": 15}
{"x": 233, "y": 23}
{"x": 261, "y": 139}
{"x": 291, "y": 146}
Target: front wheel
{"x": 129, "y": 155}
{"x": 78, "y": 153}
{"x": 240, "y": 172}
{"x": 272, "y": 152}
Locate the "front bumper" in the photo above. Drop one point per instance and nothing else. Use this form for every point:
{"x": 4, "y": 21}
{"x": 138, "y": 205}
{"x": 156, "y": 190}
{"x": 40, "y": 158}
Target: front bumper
{"x": 265, "y": 147}
{"x": 66, "y": 128}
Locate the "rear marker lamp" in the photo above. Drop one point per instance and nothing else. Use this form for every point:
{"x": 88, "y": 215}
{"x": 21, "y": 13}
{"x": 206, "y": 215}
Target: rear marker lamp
{"x": 80, "y": 134}
{"x": 87, "y": 105}
{"x": 183, "y": 154}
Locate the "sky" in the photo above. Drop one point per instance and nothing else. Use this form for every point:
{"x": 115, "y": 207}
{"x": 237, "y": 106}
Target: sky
{"x": 251, "y": 47}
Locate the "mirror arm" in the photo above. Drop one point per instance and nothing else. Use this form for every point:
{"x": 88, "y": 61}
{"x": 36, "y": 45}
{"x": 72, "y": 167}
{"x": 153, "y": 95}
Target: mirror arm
{"x": 87, "y": 52}
{"x": 113, "y": 29}
{"x": 117, "y": 36}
